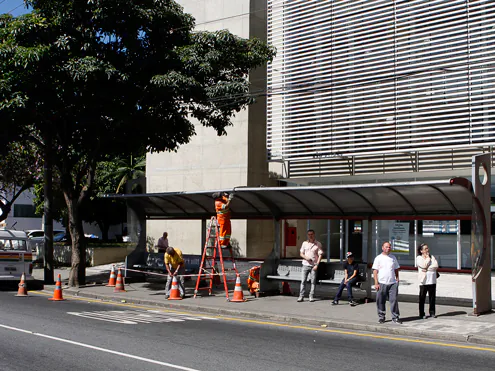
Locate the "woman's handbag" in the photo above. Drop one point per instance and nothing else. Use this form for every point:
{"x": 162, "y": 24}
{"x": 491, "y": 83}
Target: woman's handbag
{"x": 438, "y": 274}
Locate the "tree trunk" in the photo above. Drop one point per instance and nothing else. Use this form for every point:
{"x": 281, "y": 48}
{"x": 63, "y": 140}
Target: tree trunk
{"x": 77, "y": 274}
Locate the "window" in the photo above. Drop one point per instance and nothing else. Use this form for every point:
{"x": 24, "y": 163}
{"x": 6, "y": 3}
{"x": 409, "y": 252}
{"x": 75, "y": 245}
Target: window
{"x": 25, "y": 211}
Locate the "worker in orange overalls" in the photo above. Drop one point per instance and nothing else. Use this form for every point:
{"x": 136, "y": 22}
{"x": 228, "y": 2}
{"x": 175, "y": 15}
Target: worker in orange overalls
{"x": 253, "y": 280}
{"x": 222, "y": 203}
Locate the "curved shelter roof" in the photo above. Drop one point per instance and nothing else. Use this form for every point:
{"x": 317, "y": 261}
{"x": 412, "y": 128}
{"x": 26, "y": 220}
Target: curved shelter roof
{"x": 440, "y": 199}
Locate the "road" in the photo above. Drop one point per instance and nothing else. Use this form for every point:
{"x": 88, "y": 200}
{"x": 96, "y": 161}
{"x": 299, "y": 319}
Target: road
{"x": 37, "y": 334}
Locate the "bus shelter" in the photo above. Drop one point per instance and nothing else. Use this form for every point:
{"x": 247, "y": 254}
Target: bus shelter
{"x": 448, "y": 199}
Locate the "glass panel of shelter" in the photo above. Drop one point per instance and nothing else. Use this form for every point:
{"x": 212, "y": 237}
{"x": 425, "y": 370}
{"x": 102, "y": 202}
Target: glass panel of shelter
{"x": 449, "y": 241}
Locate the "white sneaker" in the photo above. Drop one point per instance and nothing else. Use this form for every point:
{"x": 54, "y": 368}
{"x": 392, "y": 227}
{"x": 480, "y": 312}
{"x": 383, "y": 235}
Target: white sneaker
{"x": 300, "y": 299}
{"x": 311, "y": 299}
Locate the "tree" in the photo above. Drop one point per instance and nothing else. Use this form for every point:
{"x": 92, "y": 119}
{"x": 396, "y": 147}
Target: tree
{"x": 127, "y": 169}
{"x": 105, "y": 212}
{"x": 20, "y": 168}
{"x": 103, "y": 78}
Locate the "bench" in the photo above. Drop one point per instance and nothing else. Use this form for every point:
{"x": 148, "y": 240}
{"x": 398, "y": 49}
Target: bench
{"x": 288, "y": 270}
{"x": 328, "y": 273}
{"x": 155, "y": 263}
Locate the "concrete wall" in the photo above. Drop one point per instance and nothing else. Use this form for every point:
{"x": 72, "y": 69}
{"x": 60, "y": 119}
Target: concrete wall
{"x": 213, "y": 162}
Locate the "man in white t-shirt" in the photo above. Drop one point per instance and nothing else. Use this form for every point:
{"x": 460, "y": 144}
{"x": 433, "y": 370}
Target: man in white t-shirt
{"x": 311, "y": 252}
{"x": 386, "y": 275}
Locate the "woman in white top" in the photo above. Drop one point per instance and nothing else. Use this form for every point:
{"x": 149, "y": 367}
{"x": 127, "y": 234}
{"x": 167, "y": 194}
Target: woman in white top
{"x": 427, "y": 275}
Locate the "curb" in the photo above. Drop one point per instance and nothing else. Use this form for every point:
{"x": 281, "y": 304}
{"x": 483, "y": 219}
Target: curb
{"x": 272, "y": 317}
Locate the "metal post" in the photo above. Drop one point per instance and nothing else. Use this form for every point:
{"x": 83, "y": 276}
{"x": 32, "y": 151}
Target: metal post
{"x": 277, "y": 237}
{"x": 308, "y": 225}
{"x": 376, "y": 237}
{"x": 48, "y": 268}
{"x": 369, "y": 258}
{"x": 459, "y": 246}
{"x": 203, "y": 235}
{"x": 368, "y": 253}
{"x": 284, "y": 242}
{"x": 328, "y": 241}
{"x": 341, "y": 241}
{"x": 415, "y": 240}
{"x": 346, "y": 236}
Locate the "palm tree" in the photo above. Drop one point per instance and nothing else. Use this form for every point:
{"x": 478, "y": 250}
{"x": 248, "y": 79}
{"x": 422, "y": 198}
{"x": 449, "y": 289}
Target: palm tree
{"x": 128, "y": 170}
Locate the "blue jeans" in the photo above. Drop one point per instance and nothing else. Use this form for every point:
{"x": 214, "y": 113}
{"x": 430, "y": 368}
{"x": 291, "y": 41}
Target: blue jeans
{"x": 349, "y": 289}
{"x": 307, "y": 270}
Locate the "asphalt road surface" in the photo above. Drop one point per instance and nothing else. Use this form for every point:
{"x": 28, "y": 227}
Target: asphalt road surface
{"x": 38, "y": 334}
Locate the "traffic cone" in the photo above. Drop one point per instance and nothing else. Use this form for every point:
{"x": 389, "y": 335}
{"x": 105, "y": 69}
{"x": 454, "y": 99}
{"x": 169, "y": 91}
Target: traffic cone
{"x": 174, "y": 292}
{"x": 286, "y": 288}
{"x": 57, "y": 294}
{"x": 119, "y": 286}
{"x": 22, "y": 287}
{"x": 238, "y": 294}
{"x": 111, "y": 281}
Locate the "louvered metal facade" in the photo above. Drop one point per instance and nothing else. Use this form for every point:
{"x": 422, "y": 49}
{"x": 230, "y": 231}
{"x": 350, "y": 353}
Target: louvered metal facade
{"x": 380, "y": 86}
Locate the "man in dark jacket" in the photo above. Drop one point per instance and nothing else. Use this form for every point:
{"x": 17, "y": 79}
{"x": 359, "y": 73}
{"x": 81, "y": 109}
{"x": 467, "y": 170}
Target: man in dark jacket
{"x": 351, "y": 271}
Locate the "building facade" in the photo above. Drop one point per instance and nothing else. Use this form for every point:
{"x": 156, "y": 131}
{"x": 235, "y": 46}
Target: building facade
{"x": 370, "y": 91}
{"x": 210, "y": 162}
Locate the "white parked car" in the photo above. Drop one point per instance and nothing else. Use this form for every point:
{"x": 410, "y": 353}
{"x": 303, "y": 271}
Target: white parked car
{"x": 36, "y": 241}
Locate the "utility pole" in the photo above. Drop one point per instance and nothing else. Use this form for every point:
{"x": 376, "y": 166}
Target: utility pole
{"x": 49, "y": 272}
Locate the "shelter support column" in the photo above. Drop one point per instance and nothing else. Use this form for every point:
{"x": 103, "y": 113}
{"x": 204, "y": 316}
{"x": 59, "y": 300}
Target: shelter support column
{"x": 277, "y": 237}
{"x": 341, "y": 241}
{"x": 481, "y": 234}
{"x": 203, "y": 235}
{"x": 346, "y": 236}
{"x": 369, "y": 255}
{"x": 415, "y": 240}
{"x": 328, "y": 240}
{"x": 137, "y": 225}
{"x": 459, "y": 246}
{"x": 270, "y": 265}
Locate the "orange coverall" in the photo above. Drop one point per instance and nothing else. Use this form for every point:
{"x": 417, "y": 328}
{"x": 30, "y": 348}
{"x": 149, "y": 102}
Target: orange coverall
{"x": 223, "y": 218}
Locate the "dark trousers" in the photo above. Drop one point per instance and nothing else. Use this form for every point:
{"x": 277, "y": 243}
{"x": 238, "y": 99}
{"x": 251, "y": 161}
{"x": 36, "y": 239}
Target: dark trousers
{"x": 431, "y": 290}
{"x": 349, "y": 289}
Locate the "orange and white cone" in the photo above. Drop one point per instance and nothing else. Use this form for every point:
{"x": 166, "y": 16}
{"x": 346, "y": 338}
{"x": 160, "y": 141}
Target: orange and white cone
{"x": 111, "y": 281}
{"x": 174, "y": 291}
{"x": 57, "y": 294}
{"x": 238, "y": 294}
{"x": 119, "y": 286}
{"x": 22, "y": 287}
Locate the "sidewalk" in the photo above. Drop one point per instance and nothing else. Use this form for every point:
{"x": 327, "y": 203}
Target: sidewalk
{"x": 453, "y": 323}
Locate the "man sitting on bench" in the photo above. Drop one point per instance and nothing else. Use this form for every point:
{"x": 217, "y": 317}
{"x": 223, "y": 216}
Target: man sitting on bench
{"x": 351, "y": 270}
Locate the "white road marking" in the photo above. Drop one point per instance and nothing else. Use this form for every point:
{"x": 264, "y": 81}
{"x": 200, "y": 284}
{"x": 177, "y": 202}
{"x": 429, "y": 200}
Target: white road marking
{"x": 99, "y": 348}
{"x": 133, "y": 317}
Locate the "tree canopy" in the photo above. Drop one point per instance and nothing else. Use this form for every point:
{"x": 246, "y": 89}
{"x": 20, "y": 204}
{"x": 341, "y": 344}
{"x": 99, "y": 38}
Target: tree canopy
{"x": 84, "y": 80}
{"x": 20, "y": 168}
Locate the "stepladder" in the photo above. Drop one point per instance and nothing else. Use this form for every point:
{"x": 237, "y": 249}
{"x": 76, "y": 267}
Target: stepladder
{"x": 216, "y": 262}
